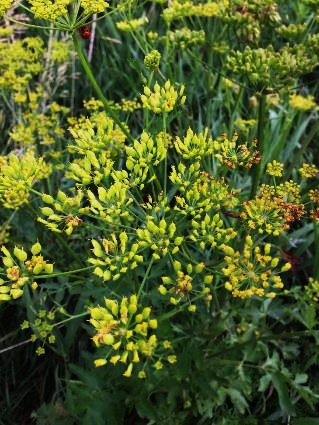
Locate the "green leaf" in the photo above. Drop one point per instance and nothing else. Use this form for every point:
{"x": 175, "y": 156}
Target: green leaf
{"x": 306, "y": 421}
{"x": 264, "y": 382}
{"x": 238, "y": 400}
{"x": 281, "y": 387}
{"x": 301, "y": 378}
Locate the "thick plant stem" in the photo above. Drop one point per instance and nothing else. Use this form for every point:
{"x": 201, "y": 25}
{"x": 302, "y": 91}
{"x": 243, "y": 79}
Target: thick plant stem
{"x": 260, "y": 144}
{"x": 87, "y": 69}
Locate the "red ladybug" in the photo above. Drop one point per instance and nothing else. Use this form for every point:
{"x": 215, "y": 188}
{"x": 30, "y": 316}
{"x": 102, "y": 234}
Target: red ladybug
{"x": 85, "y": 32}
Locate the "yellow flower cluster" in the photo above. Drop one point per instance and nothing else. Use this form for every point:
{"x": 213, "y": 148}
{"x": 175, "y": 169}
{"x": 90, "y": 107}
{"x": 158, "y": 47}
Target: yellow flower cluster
{"x": 303, "y": 103}
{"x": 163, "y": 99}
{"x": 20, "y": 271}
{"x": 17, "y": 176}
{"x": 36, "y": 125}
{"x": 42, "y": 327}
{"x": 94, "y": 6}
{"x": 96, "y": 139}
{"x": 152, "y": 60}
{"x": 241, "y": 155}
{"x": 5, "y": 5}
{"x": 62, "y": 210}
{"x": 312, "y": 290}
{"x": 180, "y": 10}
{"x": 263, "y": 216}
{"x": 142, "y": 155}
{"x": 252, "y": 271}
{"x": 209, "y": 231}
{"x": 275, "y": 168}
{"x": 314, "y": 195}
{"x": 115, "y": 258}
{"x": 49, "y": 10}
{"x": 182, "y": 287}
{"x": 113, "y": 203}
{"x": 132, "y": 25}
{"x": 159, "y": 237}
{"x": 195, "y": 146}
{"x": 20, "y": 62}
{"x": 184, "y": 37}
{"x": 125, "y": 330}
{"x": 308, "y": 170}
{"x": 201, "y": 192}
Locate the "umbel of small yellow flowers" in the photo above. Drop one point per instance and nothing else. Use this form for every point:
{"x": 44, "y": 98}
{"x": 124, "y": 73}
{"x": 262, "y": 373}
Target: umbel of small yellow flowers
{"x": 162, "y": 99}
{"x": 125, "y": 329}
{"x": 251, "y": 273}
{"x": 20, "y": 271}
{"x": 53, "y": 10}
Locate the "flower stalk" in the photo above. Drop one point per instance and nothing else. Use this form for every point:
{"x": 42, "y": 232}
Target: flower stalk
{"x": 87, "y": 69}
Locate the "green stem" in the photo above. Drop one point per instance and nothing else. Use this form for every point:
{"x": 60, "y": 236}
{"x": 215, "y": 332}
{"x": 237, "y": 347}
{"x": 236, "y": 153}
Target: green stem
{"x": 239, "y": 95}
{"x": 70, "y": 318}
{"x": 145, "y": 277}
{"x": 301, "y": 151}
{"x": 165, "y": 161}
{"x": 44, "y": 276}
{"x": 316, "y": 258}
{"x": 260, "y": 144}
{"x": 87, "y": 69}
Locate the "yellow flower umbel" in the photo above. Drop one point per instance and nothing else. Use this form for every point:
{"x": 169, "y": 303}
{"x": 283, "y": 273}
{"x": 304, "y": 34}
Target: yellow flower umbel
{"x": 17, "y": 176}
{"x": 133, "y": 25}
{"x": 96, "y": 140}
{"x": 20, "y": 271}
{"x": 126, "y": 330}
{"x": 302, "y": 103}
{"x": 263, "y": 216}
{"x": 195, "y": 146}
{"x": 42, "y": 328}
{"x": 142, "y": 155}
{"x": 275, "y": 168}
{"x": 63, "y": 210}
{"x": 200, "y": 192}
{"x": 179, "y": 10}
{"x": 308, "y": 171}
{"x": 241, "y": 155}
{"x": 94, "y": 6}
{"x": 252, "y": 273}
{"x": 160, "y": 237}
{"x": 152, "y": 60}
{"x": 49, "y": 10}
{"x": 115, "y": 258}
{"x": 5, "y": 5}
{"x": 163, "y": 99}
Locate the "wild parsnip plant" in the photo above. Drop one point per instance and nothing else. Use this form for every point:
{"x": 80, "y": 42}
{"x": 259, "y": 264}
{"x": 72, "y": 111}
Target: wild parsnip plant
{"x": 163, "y": 262}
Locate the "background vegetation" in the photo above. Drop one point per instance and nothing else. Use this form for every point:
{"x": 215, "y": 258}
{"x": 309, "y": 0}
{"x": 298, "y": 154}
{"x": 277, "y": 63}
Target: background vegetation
{"x": 159, "y": 212}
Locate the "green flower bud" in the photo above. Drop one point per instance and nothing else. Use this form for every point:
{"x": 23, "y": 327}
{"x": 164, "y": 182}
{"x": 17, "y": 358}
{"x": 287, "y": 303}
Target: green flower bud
{"x": 37, "y": 268}
{"x": 4, "y": 297}
{"x": 153, "y": 323}
{"x": 178, "y": 240}
{"x": 132, "y": 308}
{"x": 47, "y": 211}
{"x": 8, "y": 262}
{"x": 107, "y": 275}
{"x": 108, "y": 339}
{"x": 47, "y": 199}
{"x": 36, "y": 248}
{"x": 4, "y": 289}
{"x": 97, "y": 250}
{"x": 20, "y": 254}
{"x": 48, "y": 268}
{"x": 151, "y": 61}
{"x": 139, "y": 318}
{"x": 16, "y": 293}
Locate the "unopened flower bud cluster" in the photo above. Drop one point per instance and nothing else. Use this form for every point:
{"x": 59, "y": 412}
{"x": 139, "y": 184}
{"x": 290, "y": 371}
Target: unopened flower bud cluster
{"x": 20, "y": 271}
